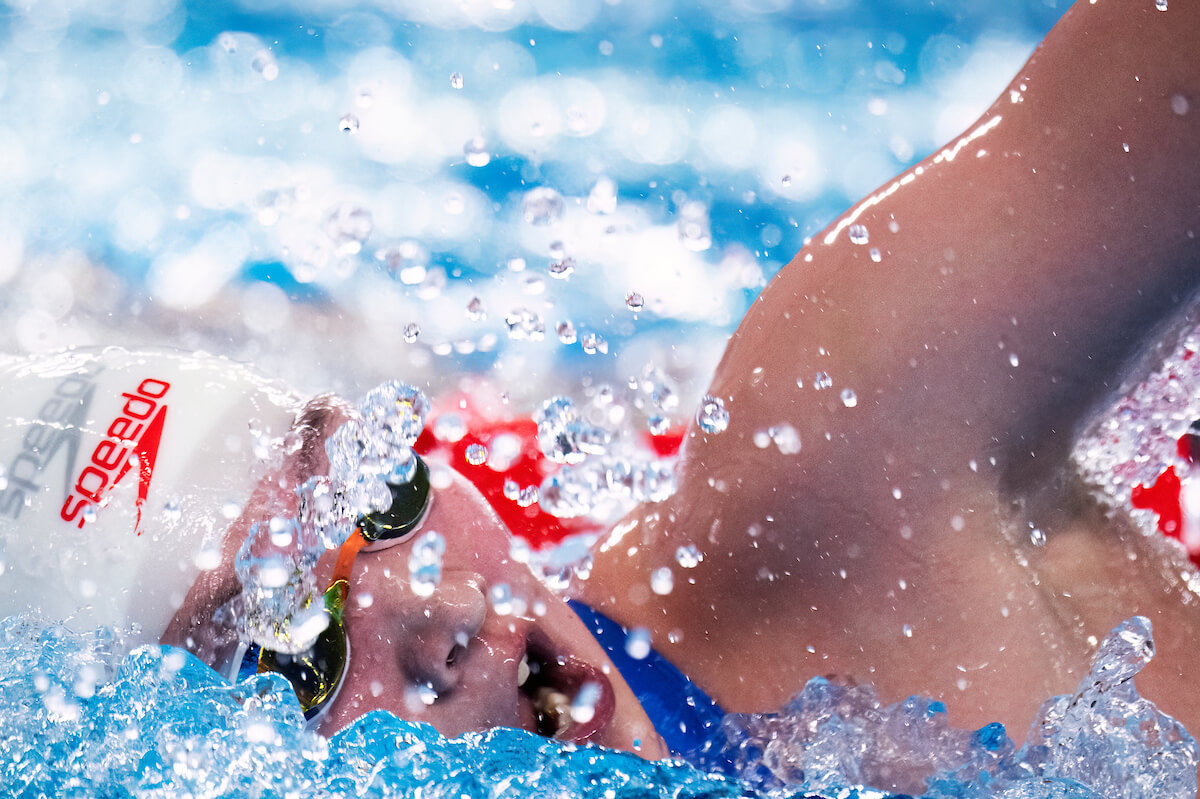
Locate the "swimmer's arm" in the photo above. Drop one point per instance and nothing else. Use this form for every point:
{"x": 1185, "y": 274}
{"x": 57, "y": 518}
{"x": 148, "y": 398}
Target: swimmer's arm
{"x": 998, "y": 314}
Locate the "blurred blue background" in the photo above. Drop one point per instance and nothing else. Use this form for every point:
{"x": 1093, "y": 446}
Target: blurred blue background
{"x": 541, "y": 191}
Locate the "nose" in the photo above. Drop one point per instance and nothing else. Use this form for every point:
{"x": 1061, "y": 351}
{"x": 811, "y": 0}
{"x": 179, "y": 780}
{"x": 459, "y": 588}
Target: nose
{"x": 441, "y": 631}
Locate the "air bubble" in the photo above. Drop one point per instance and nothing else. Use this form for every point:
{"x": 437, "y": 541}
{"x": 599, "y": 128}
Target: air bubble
{"x": 712, "y": 416}
{"x": 858, "y": 234}
{"x": 348, "y": 123}
{"x": 412, "y": 331}
{"x": 634, "y": 301}
{"x": 477, "y": 454}
{"x": 456, "y": 80}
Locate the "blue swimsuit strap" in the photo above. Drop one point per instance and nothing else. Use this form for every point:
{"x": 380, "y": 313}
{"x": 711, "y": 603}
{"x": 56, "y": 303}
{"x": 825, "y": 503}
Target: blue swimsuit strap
{"x": 682, "y": 714}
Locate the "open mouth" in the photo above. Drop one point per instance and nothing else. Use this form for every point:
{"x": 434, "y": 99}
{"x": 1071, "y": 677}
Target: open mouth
{"x": 562, "y": 696}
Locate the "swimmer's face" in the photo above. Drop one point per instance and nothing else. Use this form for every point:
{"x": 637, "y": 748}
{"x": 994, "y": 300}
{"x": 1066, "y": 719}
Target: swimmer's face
{"x": 454, "y": 661}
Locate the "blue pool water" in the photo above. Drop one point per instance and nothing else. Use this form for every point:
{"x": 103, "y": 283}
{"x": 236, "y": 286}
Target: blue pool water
{"x": 560, "y": 191}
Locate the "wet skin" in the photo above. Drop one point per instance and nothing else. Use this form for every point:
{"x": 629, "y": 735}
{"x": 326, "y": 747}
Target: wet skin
{"x": 453, "y": 642}
{"x": 1042, "y": 237}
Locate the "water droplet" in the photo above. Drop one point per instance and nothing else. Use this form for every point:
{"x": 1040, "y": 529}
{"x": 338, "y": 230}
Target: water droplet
{"x": 348, "y": 123}
{"x": 712, "y": 416}
{"x": 1179, "y": 104}
{"x": 412, "y": 331}
{"x": 427, "y": 693}
{"x": 637, "y": 643}
{"x": 695, "y": 231}
{"x": 172, "y": 511}
{"x": 907, "y": 630}
{"x": 456, "y": 80}
{"x": 524, "y": 325}
{"x": 583, "y": 707}
{"x": 876, "y": 255}
{"x": 897, "y": 493}
{"x": 602, "y": 199}
{"x": 566, "y": 332}
{"x": 858, "y": 234}
{"x": 658, "y": 425}
{"x": 477, "y": 454}
{"x": 264, "y": 64}
{"x": 425, "y": 563}
{"x": 786, "y": 439}
{"x": 500, "y": 595}
{"x": 1161, "y": 5}
{"x": 957, "y": 523}
{"x": 594, "y": 343}
{"x": 688, "y": 556}
{"x": 516, "y": 264}
{"x": 849, "y": 398}
{"x": 634, "y": 301}
{"x": 1013, "y": 360}
{"x": 1037, "y": 537}
{"x": 476, "y": 311}
{"x": 542, "y": 206}
{"x": 786, "y": 180}
{"x": 562, "y": 269}
{"x": 822, "y": 380}
{"x": 476, "y": 151}
{"x": 662, "y": 581}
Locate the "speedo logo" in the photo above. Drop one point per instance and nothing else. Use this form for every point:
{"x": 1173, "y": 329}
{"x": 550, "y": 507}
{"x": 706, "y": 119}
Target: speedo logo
{"x": 133, "y": 437}
{"x": 56, "y": 428}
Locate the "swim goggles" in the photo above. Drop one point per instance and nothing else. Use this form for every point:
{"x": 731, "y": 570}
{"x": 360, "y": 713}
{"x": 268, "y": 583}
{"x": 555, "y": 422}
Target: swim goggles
{"x": 316, "y": 674}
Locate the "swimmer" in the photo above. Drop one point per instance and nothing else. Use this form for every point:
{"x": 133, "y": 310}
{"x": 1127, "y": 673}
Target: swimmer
{"x": 978, "y": 308}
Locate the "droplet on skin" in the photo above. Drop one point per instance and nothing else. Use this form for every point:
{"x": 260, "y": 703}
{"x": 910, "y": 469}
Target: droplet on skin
{"x": 957, "y": 524}
{"x": 849, "y": 398}
{"x": 858, "y": 234}
{"x": 876, "y": 255}
{"x": 907, "y": 630}
{"x": 897, "y": 493}
{"x": 662, "y": 581}
{"x": 1161, "y": 5}
{"x": 1013, "y": 360}
{"x": 1179, "y": 104}
{"x": 688, "y": 556}
{"x": 1037, "y": 537}
{"x": 822, "y": 380}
